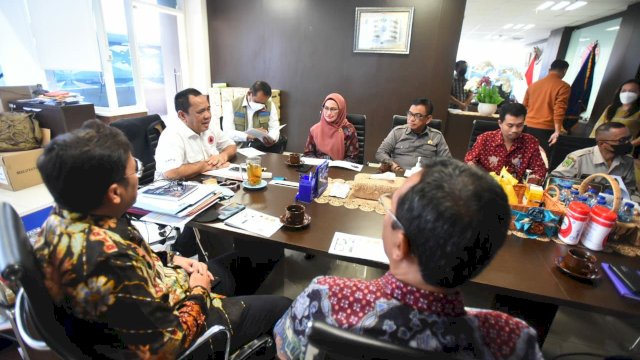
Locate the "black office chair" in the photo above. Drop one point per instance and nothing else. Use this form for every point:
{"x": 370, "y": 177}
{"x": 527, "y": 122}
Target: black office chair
{"x": 480, "y": 127}
{"x": 398, "y": 120}
{"x": 358, "y": 121}
{"x": 39, "y": 321}
{"x": 143, "y": 134}
{"x": 566, "y": 145}
{"x": 329, "y": 342}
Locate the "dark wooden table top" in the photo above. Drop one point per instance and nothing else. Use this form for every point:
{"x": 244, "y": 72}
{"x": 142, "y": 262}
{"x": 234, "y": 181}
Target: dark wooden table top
{"x": 523, "y": 267}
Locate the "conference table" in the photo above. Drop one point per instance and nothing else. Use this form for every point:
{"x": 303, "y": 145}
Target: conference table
{"x": 522, "y": 268}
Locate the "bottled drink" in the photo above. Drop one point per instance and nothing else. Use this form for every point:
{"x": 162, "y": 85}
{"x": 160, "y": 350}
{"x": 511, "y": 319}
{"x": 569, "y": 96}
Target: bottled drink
{"x": 583, "y": 198}
{"x": 602, "y": 201}
{"x": 626, "y": 213}
{"x": 575, "y": 194}
{"x": 592, "y": 197}
{"x": 565, "y": 194}
{"x": 608, "y": 194}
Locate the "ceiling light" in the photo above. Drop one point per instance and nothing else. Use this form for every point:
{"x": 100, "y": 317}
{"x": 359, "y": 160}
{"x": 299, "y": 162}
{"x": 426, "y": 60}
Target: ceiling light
{"x": 575, "y": 5}
{"x": 560, "y": 5}
{"x": 519, "y": 26}
{"x": 508, "y": 26}
{"x": 528, "y": 27}
{"x": 545, "y": 5}
{"x": 584, "y": 39}
{"x": 613, "y": 28}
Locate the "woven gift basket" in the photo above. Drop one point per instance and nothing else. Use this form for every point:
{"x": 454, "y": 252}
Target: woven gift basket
{"x": 550, "y": 202}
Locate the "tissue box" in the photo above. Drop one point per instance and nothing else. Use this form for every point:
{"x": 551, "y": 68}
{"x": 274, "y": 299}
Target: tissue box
{"x": 366, "y": 188}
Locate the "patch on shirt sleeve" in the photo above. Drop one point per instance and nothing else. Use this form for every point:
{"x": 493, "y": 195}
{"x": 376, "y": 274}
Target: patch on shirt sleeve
{"x": 211, "y": 139}
{"x": 568, "y": 162}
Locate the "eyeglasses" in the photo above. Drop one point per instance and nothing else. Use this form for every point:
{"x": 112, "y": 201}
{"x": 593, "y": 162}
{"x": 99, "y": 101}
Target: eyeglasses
{"x": 622, "y": 140}
{"x": 418, "y": 116}
{"x": 385, "y": 201}
{"x": 332, "y": 110}
{"x": 139, "y": 168}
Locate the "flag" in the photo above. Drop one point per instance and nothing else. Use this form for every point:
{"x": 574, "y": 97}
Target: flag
{"x": 581, "y": 89}
{"x": 529, "y": 74}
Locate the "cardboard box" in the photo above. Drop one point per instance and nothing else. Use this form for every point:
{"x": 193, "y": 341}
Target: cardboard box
{"x": 18, "y": 169}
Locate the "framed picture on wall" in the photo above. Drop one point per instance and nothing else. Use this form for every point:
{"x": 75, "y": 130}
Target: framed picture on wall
{"x": 383, "y": 30}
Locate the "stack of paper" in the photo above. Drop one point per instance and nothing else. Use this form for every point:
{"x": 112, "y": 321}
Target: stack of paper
{"x": 197, "y": 200}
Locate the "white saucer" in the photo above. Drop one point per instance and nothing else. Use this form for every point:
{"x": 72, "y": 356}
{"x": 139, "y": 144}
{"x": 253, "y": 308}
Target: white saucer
{"x": 262, "y": 185}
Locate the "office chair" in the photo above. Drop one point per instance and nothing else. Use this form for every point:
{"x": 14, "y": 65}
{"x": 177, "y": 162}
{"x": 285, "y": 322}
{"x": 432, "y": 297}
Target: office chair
{"x": 566, "y": 145}
{"x": 39, "y": 321}
{"x": 358, "y": 121}
{"x": 398, "y": 120}
{"x": 143, "y": 134}
{"x": 480, "y": 127}
{"x": 329, "y": 342}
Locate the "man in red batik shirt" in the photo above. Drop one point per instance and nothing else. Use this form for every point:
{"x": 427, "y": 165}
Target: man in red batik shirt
{"x": 509, "y": 147}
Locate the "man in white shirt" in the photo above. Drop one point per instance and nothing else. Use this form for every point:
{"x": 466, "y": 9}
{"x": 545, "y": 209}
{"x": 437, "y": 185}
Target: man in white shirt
{"x": 191, "y": 146}
{"x": 255, "y": 110}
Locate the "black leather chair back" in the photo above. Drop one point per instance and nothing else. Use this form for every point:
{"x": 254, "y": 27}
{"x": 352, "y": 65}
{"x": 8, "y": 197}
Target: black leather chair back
{"x": 18, "y": 267}
{"x": 336, "y": 343}
{"x": 480, "y": 127}
{"x": 566, "y": 145}
{"x": 398, "y": 120}
{"x": 358, "y": 121}
{"x": 143, "y": 134}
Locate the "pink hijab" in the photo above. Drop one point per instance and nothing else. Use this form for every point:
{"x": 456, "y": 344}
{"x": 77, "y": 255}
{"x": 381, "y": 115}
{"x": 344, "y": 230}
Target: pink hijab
{"x": 328, "y": 136}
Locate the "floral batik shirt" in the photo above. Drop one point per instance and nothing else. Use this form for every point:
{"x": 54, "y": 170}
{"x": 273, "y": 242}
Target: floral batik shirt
{"x": 120, "y": 300}
{"x": 391, "y": 310}
{"x": 490, "y": 152}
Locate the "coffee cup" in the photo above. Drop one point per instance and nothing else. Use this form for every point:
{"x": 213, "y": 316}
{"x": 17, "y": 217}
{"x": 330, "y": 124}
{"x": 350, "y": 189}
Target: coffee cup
{"x": 294, "y": 158}
{"x": 579, "y": 261}
{"x": 294, "y": 214}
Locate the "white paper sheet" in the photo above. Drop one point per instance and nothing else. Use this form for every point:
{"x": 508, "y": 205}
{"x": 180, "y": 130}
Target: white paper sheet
{"x": 340, "y": 190}
{"x": 255, "y": 222}
{"x": 285, "y": 183}
{"x": 361, "y": 247}
{"x": 232, "y": 172}
{"x": 384, "y": 176}
{"x": 338, "y": 163}
{"x": 249, "y": 152}
{"x": 165, "y": 219}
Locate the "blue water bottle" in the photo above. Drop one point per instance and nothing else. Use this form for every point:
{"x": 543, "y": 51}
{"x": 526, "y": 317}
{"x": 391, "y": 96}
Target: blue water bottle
{"x": 626, "y": 212}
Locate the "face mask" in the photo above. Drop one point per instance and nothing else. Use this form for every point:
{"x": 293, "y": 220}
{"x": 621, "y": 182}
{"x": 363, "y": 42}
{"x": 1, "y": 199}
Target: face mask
{"x": 622, "y": 149}
{"x": 628, "y": 97}
{"x": 255, "y": 105}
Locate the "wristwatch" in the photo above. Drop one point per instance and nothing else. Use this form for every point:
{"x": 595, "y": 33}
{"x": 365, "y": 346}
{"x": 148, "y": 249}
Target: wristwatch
{"x": 170, "y": 255}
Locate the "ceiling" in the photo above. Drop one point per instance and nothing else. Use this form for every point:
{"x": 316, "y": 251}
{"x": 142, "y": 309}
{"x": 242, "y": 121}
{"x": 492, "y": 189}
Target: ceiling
{"x": 484, "y": 19}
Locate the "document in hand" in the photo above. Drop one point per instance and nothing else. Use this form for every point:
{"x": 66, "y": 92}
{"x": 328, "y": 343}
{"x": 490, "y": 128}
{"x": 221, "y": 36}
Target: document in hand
{"x": 255, "y": 222}
{"x": 261, "y": 135}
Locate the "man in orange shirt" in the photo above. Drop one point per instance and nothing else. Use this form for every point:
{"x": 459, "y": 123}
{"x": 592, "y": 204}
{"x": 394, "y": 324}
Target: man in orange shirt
{"x": 546, "y": 101}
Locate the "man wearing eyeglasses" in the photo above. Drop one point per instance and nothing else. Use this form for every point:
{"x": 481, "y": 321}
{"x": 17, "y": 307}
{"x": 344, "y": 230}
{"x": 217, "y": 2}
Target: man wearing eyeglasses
{"x": 405, "y": 143}
{"x": 441, "y": 228}
{"x": 609, "y": 156}
{"x": 117, "y": 298}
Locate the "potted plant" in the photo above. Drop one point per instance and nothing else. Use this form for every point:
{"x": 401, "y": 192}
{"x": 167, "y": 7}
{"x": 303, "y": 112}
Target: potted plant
{"x": 488, "y": 99}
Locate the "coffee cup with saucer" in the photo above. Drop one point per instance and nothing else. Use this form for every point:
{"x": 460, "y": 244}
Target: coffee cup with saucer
{"x": 295, "y": 217}
{"x": 579, "y": 263}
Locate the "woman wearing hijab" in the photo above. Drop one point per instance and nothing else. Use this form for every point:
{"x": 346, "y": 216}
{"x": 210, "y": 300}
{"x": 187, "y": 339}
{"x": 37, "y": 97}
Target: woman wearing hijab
{"x": 333, "y": 137}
